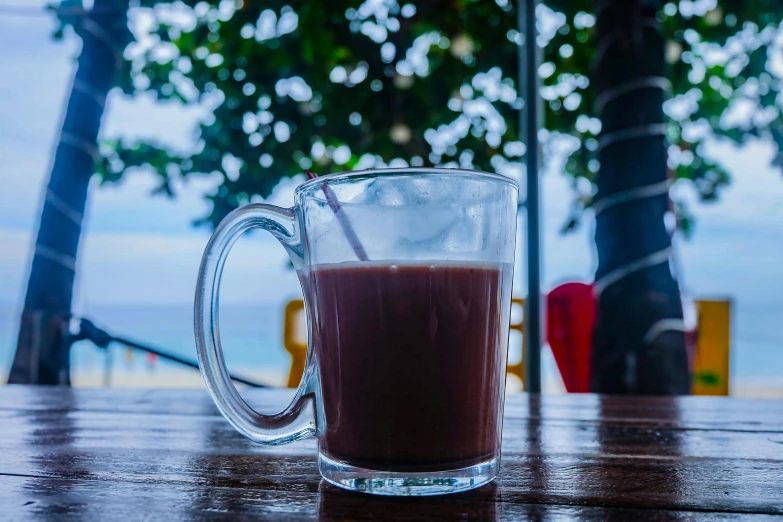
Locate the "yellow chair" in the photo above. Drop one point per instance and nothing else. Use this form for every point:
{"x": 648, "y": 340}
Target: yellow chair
{"x": 292, "y": 344}
{"x": 713, "y": 345}
{"x": 298, "y": 347}
{"x": 518, "y": 369}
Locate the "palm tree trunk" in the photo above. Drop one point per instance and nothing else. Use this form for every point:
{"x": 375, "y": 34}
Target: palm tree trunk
{"x": 639, "y": 345}
{"x": 42, "y": 355}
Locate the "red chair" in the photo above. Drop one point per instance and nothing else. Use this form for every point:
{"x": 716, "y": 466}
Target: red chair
{"x": 571, "y": 309}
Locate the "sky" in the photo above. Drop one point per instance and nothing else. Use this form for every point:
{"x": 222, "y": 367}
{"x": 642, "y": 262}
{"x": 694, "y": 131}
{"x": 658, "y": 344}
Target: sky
{"x": 139, "y": 249}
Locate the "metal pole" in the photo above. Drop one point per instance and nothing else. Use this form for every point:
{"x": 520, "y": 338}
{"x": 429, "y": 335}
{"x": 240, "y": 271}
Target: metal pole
{"x": 529, "y": 124}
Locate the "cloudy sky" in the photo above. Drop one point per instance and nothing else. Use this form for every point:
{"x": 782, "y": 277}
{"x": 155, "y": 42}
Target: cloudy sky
{"x": 140, "y": 249}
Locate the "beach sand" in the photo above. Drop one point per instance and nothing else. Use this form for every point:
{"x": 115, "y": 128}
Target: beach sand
{"x": 757, "y": 391}
{"x": 193, "y": 380}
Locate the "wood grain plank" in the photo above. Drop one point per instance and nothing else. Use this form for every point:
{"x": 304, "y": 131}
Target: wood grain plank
{"x": 676, "y": 412}
{"x": 75, "y": 499}
{"x": 633, "y": 483}
{"x": 212, "y": 434}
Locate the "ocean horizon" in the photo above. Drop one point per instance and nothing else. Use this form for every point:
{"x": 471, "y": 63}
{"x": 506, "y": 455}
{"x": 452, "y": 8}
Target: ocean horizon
{"x": 252, "y": 341}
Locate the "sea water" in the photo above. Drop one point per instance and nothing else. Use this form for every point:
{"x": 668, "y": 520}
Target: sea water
{"x": 252, "y": 340}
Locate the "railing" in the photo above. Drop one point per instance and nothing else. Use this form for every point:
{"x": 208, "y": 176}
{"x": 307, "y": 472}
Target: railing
{"x": 102, "y": 340}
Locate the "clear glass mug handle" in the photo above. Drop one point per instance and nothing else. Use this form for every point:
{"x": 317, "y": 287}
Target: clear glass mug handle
{"x": 301, "y": 418}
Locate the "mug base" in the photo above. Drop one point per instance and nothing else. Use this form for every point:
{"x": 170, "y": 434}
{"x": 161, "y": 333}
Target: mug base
{"x": 409, "y": 484}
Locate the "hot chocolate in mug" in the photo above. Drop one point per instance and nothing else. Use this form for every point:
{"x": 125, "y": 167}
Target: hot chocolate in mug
{"x": 406, "y": 276}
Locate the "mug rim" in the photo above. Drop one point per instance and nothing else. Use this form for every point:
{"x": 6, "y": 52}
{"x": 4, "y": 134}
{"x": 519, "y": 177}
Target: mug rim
{"x": 394, "y": 171}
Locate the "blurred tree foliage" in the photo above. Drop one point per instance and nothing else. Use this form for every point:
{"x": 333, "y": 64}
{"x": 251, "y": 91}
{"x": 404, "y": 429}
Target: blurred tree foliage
{"x": 330, "y": 86}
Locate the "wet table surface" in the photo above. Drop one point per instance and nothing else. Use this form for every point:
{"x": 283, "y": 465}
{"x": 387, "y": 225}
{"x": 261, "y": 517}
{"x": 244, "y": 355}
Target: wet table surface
{"x": 168, "y": 455}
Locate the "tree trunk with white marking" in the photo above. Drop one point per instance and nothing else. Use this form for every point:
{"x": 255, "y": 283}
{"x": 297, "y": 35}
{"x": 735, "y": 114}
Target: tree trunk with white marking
{"x": 42, "y": 356}
{"x": 639, "y": 345}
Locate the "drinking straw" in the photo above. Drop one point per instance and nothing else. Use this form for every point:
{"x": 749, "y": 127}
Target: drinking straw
{"x": 345, "y": 223}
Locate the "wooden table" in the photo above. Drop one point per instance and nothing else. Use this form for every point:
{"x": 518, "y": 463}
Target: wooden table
{"x": 168, "y": 455}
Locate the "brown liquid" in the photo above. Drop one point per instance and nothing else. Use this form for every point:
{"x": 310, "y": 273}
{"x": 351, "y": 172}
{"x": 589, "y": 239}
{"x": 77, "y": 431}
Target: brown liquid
{"x": 412, "y": 361}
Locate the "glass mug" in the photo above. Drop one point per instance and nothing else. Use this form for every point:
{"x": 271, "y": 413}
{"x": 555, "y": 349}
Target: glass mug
{"x": 406, "y": 276}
